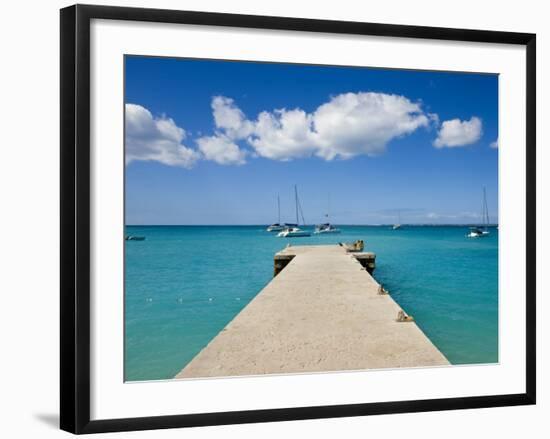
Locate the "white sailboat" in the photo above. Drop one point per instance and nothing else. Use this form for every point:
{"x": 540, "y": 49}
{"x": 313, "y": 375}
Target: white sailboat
{"x": 398, "y": 224}
{"x": 277, "y": 227}
{"x": 326, "y": 227}
{"x": 293, "y": 231}
{"x": 483, "y": 230}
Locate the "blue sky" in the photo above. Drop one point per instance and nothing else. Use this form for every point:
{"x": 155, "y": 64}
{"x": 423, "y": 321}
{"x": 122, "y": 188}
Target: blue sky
{"x": 215, "y": 142}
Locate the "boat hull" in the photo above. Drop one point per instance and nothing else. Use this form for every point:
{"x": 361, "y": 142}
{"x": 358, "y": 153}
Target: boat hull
{"x": 324, "y": 232}
{"x": 293, "y": 233}
{"x": 477, "y": 235}
{"x": 135, "y": 238}
{"x": 477, "y": 232}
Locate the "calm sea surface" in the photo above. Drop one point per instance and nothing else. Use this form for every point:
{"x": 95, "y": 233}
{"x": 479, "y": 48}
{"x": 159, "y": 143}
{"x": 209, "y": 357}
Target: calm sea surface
{"x": 185, "y": 283}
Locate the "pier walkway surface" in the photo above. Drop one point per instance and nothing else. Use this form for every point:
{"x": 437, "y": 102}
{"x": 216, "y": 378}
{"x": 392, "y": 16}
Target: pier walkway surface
{"x": 322, "y": 312}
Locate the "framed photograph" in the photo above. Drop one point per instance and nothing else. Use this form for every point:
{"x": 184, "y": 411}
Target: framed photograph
{"x": 268, "y": 218}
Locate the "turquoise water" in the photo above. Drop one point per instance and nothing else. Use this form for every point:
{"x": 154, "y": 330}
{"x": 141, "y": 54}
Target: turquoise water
{"x": 185, "y": 283}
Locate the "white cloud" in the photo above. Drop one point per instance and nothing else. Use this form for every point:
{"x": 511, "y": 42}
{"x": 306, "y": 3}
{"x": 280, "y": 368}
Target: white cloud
{"x": 346, "y": 126}
{"x": 494, "y": 144}
{"x": 455, "y": 132}
{"x": 155, "y": 139}
{"x": 222, "y": 150}
{"x": 351, "y": 124}
{"x": 284, "y": 135}
{"x": 229, "y": 118}
{"x": 434, "y": 118}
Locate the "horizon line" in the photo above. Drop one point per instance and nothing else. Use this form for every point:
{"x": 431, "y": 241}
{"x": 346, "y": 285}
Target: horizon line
{"x": 312, "y": 225}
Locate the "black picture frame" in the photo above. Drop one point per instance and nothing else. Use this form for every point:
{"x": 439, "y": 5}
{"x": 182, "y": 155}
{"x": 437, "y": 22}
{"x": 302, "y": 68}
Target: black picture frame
{"x": 75, "y": 217}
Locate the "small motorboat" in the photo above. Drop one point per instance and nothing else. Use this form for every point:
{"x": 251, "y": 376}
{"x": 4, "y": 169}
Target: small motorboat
{"x": 326, "y": 228}
{"x": 293, "y": 232}
{"x": 134, "y": 238}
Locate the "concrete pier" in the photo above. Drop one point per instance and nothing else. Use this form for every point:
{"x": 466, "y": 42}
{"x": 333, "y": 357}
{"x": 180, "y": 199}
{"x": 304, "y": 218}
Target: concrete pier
{"x": 322, "y": 311}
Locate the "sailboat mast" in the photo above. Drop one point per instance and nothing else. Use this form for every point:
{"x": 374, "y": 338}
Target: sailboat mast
{"x": 278, "y": 210}
{"x": 296, "y": 201}
{"x": 485, "y": 208}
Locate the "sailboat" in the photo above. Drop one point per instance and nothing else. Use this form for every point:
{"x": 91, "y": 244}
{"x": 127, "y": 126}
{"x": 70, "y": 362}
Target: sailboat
{"x": 326, "y": 227}
{"x": 481, "y": 231}
{"x": 277, "y": 227}
{"x": 293, "y": 231}
{"x": 398, "y": 224}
